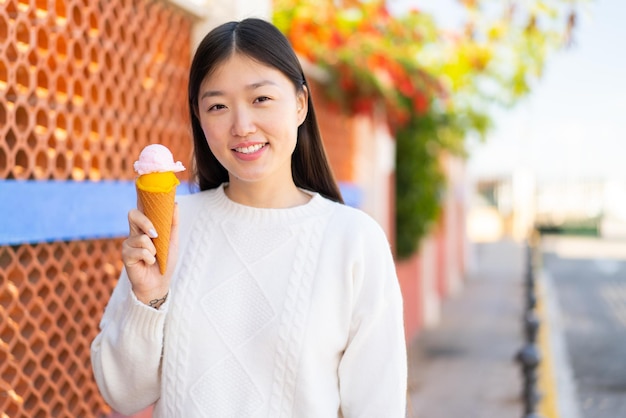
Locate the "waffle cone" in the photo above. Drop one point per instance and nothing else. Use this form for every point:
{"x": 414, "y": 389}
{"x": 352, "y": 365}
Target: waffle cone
{"x": 159, "y": 208}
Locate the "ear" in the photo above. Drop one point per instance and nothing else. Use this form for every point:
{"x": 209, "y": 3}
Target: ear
{"x": 302, "y": 104}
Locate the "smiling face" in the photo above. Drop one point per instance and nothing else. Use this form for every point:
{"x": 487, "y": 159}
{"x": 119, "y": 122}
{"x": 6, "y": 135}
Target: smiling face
{"x": 250, "y": 113}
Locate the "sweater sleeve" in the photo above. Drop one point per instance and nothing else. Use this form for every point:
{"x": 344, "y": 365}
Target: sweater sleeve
{"x": 373, "y": 369}
{"x": 126, "y": 354}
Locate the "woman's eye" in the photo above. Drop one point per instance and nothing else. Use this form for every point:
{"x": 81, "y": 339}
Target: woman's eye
{"x": 262, "y": 99}
{"x": 216, "y": 107}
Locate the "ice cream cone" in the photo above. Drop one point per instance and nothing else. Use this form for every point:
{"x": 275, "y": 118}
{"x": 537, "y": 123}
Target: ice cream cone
{"x": 159, "y": 208}
{"x": 156, "y": 189}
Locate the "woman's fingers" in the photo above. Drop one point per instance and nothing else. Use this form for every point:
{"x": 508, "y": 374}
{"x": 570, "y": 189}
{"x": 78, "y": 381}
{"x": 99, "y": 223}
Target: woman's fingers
{"x": 141, "y": 242}
{"x": 140, "y": 224}
{"x": 138, "y": 248}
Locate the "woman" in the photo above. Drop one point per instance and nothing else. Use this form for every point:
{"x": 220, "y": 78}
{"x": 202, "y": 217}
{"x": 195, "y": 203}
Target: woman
{"x": 279, "y": 300}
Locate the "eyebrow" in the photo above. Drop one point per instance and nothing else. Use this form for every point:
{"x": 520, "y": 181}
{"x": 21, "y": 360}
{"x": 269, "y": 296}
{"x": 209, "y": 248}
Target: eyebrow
{"x": 256, "y": 85}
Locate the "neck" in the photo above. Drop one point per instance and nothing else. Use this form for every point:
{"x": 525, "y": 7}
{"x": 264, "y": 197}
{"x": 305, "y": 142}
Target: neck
{"x": 276, "y": 196}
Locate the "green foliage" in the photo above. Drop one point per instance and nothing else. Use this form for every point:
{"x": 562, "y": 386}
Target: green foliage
{"x": 419, "y": 183}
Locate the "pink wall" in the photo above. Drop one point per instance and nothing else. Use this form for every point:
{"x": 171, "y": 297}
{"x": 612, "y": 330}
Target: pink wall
{"x": 409, "y": 277}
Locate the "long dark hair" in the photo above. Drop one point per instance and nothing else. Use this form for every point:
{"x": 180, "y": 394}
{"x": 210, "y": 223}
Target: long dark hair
{"x": 263, "y": 42}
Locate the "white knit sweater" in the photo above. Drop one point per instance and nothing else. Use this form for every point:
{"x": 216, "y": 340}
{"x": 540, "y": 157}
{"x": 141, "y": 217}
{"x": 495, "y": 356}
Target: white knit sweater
{"x": 272, "y": 313}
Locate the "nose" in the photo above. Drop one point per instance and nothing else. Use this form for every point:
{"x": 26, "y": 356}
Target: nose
{"x": 243, "y": 123}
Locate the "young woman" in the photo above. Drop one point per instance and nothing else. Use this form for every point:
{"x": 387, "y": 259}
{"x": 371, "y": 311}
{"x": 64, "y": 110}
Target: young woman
{"x": 280, "y": 301}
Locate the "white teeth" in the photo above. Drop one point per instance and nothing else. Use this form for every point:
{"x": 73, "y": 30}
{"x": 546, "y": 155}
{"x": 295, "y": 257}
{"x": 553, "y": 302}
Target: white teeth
{"x": 250, "y": 149}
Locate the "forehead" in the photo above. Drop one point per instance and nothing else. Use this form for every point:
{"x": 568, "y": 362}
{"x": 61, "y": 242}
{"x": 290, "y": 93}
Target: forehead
{"x": 240, "y": 69}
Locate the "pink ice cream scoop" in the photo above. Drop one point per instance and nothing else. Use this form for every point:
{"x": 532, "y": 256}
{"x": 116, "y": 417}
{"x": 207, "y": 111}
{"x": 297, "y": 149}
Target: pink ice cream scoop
{"x": 157, "y": 158}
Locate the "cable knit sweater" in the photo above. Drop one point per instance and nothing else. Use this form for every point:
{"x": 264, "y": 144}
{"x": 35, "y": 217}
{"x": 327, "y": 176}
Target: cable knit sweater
{"x": 271, "y": 313}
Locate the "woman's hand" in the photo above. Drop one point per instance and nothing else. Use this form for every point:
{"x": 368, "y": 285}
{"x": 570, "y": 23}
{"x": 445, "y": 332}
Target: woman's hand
{"x": 138, "y": 255}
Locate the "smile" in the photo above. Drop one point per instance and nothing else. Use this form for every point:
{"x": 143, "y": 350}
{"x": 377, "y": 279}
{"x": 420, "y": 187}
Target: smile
{"x": 251, "y": 149}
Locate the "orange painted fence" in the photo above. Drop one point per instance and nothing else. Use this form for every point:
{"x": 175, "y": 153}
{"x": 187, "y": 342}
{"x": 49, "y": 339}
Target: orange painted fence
{"x": 84, "y": 86}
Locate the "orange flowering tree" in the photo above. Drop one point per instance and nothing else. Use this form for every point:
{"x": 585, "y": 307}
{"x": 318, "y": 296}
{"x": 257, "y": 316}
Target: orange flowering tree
{"x": 436, "y": 86}
{"x": 364, "y": 52}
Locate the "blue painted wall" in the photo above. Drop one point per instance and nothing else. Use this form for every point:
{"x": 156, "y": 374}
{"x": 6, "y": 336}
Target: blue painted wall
{"x": 45, "y": 211}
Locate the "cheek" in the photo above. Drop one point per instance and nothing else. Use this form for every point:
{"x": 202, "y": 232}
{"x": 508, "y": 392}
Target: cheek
{"x": 211, "y": 131}
{"x": 284, "y": 126}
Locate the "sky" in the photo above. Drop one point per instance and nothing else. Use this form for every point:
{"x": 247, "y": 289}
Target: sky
{"x": 573, "y": 124}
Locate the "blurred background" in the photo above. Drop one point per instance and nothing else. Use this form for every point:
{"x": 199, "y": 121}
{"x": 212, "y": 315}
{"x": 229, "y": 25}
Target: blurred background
{"x": 483, "y": 136}
{"x": 564, "y": 139}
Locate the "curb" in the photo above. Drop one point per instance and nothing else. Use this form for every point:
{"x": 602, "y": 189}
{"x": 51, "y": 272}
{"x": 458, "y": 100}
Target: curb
{"x": 546, "y": 381}
{"x": 556, "y": 378}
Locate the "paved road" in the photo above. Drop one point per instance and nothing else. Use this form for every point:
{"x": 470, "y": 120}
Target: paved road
{"x": 588, "y": 278}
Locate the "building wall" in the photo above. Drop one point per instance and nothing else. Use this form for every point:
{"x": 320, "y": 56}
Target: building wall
{"x": 439, "y": 267}
{"x": 360, "y": 151}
